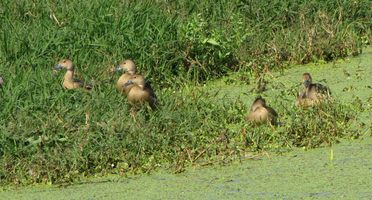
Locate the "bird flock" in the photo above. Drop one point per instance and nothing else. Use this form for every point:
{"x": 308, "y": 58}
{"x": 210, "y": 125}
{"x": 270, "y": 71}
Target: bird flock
{"x": 139, "y": 92}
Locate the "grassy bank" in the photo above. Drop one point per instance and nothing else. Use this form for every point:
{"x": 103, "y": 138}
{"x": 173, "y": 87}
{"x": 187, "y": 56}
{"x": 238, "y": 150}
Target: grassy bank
{"x": 52, "y": 135}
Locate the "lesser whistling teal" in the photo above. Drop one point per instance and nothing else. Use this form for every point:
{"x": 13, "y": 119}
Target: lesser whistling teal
{"x": 140, "y": 92}
{"x": 129, "y": 69}
{"x": 313, "y": 93}
{"x": 261, "y": 113}
{"x": 69, "y": 81}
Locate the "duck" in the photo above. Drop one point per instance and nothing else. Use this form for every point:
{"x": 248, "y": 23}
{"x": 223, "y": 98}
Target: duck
{"x": 261, "y": 113}
{"x": 140, "y": 92}
{"x": 129, "y": 69}
{"x": 312, "y": 94}
{"x": 69, "y": 82}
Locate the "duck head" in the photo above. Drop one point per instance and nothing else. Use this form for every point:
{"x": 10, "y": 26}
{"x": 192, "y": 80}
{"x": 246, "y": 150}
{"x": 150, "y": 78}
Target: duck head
{"x": 64, "y": 64}
{"x": 258, "y": 102}
{"x": 307, "y": 80}
{"x": 135, "y": 79}
{"x": 126, "y": 66}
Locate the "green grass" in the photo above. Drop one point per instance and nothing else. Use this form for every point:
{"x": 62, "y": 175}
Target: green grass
{"x": 48, "y": 134}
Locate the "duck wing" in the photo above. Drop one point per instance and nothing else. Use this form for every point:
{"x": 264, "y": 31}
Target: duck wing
{"x": 150, "y": 90}
{"x": 321, "y": 89}
{"x": 77, "y": 81}
{"x": 154, "y": 99}
{"x": 87, "y": 86}
{"x": 271, "y": 111}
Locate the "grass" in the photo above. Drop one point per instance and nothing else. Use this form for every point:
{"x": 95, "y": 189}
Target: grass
{"x": 52, "y": 135}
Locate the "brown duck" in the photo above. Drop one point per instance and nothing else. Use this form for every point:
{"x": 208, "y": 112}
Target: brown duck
{"x": 261, "y": 113}
{"x": 69, "y": 82}
{"x": 140, "y": 92}
{"x": 129, "y": 69}
{"x": 313, "y": 93}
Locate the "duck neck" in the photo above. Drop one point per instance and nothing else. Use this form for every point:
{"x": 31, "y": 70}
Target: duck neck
{"x": 255, "y": 106}
{"x": 69, "y": 76}
{"x": 131, "y": 72}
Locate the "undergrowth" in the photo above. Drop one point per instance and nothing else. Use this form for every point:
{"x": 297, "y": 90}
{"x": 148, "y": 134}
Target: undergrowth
{"x": 63, "y": 142}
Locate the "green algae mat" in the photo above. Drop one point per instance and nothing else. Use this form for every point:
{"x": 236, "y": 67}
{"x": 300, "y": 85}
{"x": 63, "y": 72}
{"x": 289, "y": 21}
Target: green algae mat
{"x": 343, "y": 171}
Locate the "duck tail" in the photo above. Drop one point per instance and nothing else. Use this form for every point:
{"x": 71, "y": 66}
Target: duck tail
{"x": 88, "y": 86}
{"x": 154, "y": 104}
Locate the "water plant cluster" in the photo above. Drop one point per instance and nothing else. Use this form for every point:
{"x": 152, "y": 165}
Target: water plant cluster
{"x": 51, "y": 135}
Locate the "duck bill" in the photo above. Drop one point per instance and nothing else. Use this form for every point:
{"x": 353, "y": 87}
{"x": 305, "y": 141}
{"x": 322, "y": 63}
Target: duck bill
{"x": 118, "y": 69}
{"x": 57, "y": 67}
{"x": 307, "y": 83}
{"x": 128, "y": 83}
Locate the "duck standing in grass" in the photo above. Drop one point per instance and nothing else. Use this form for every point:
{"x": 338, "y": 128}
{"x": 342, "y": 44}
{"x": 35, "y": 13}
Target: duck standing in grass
{"x": 69, "y": 81}
{"x": 129, "y": 69}
{"x": 313, "y": 93}
{"x": 261, "y": 113}
{"x": 140, "y": 92}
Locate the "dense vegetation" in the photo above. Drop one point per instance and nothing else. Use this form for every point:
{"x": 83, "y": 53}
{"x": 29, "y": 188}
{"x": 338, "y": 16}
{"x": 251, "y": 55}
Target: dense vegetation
{"x": 48, "y": 134}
